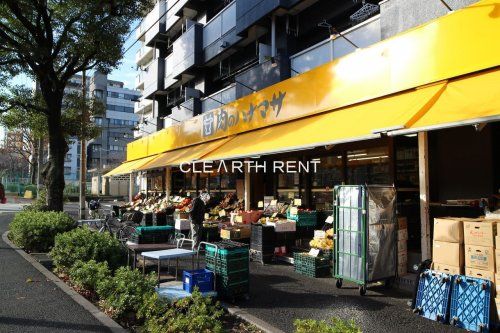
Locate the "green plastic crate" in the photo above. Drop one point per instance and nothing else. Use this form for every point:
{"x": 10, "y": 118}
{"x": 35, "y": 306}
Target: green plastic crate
{"x": 303, "y": 259}
{"x": 231, "y": 290}
{"x": 304, "y": 218}
{"x": 227, "y": 266}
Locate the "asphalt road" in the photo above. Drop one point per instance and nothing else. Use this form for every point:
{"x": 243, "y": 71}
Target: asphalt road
{"x": 279, "y": 295}
{"x": 37, "y": 306}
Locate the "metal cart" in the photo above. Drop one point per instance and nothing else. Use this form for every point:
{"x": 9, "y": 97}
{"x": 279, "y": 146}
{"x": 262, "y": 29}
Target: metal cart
{"x": 365, "y": 248}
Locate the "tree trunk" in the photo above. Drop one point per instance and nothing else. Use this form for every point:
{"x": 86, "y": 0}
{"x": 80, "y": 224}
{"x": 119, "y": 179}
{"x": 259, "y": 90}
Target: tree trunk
{"x": 58, "y": 147}
{"x": 34, "y": 162}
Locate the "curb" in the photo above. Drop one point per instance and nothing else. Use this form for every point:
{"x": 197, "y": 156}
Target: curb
{"x": 98, "y": 314}
{"x": 244, "y": 315}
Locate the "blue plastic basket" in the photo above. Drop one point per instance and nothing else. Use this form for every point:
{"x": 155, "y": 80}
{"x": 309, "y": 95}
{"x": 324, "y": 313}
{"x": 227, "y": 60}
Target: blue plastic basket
{"x": 201, "y": 278}
{"x": 433, "y": 295}
{"x": 470, "y": 304}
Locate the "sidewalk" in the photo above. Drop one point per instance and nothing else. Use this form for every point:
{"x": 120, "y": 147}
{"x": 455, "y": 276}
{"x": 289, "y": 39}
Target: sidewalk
{"x": 36, "y": 306}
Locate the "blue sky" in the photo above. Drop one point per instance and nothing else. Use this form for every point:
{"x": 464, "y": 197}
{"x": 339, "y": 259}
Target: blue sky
{"x": 126, "y": 72}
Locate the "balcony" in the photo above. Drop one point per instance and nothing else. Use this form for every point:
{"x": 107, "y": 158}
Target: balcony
{"x": 143, "y": 107}
{"x": 219, "y": 34}
{"x": 261, "y": 76}
{"x": 216, "y": 100}
{"x": 144, "y": 55}
{"x": 169, "y": 70}
{"x": 249, "y": 13}
{"x": 139, "y": 80}
{"x": 154, "y": 81}
{"x": 187, "y": 51}
{"x": 363, "y": 35}
{"x": 152, "y": 27}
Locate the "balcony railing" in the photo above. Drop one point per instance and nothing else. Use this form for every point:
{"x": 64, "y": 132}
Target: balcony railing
{"x": 169, "y": 71}
{"x": 144, "y": 55}
{"x": 363, "y": 35}
{"x": 143, "y": 106}
{"x": 216, "y": 100}
{"x": 153, "y": 25}
{"x": 154, "y": 80}
{"x": 187, "y": 50}
{"x": 139, "y": 80}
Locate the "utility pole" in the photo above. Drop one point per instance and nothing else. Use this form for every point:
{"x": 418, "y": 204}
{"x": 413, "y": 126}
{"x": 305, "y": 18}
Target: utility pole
{"x": 83, "y": 149}
{"x": 39, "y": 165}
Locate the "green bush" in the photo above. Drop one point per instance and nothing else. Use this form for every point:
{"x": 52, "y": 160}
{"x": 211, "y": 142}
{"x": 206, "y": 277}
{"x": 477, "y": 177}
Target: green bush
{"x": 314, "y": 326}
{"x": 31, "y": 188}
{"x": 84, "y": 244}
{"x": 122, "y": 296}
{"x": 40, "y": 203}
{"x": 190, "y": 315}
{"x": 86, "y": 275}
{"x": 35, "y": 231}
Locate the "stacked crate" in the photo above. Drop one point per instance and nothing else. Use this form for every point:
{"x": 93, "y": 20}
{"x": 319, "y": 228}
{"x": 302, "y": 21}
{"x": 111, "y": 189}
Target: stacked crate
{"x": 402, "y": 246}
{"x": 306, "y": 222}
{"x": 152, "y": 235}
{"x": 479, "y": 238}
{"x": 262, "y": 243}
{"x": 311, "y": 266}
{"x": 229, "y": 261}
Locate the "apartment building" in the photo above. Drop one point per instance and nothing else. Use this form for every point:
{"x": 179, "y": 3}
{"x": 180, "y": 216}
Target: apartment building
{"x": 196, "y": 56}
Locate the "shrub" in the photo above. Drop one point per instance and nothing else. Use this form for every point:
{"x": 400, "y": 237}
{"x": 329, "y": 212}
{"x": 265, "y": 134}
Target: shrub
{"x": 191, "y": 315}
{"x": 35, "y": 231}
{"x": 86, "y": 275}
{"x": 40, "y": 203}
{"x": 84, "y": 244}
{"x": 314, "y": 326}
{"x": 122, "y": 296}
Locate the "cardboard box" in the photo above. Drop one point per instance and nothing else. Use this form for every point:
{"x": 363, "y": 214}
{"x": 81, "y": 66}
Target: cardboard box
{"x": 480, "y": 233}
{"x": 452, "y": 270}
{"x": 448, "y": 230}
{"x": 402, "y": 223}
{"x": 497, "y": 260}
{"x": 480, "y": 257}
{"x": 480, "y": 274}
{"x": 497, "y": 242}
{"x": 448, "y": 253}
{"x": 182, "y": 224}
{"x": 402, "y": 246}
{"x": 402, "y": 258}
{"x": 403, "y": 235}
{"x": 497, "y": 284}
{"x": 402, "y": 270}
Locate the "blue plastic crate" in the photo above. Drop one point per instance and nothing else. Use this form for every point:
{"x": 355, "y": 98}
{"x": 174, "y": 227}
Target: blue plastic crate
{"x": 201, "y": 278}
{"x": 470, "y": 303}
{"x": 433, "y": 295}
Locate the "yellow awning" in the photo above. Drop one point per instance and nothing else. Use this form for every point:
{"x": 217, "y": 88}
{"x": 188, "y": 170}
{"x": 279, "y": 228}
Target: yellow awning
{"x": 363, "y": 121}
{"x": 466, "y": 100}
{"x": 183, "y": 155}
{"x": 128, "y": 167}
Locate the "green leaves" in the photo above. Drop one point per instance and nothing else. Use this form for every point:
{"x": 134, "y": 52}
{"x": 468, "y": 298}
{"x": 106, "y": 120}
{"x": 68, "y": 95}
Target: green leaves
{"x": 336, "y": 326}
{"x": 87, "y": 275}
{"x": 35, "y": 231}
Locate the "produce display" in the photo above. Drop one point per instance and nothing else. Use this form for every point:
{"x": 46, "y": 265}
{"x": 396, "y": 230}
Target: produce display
{"x": 157, "y": 204}
{"x": 323, "y": 243}
{"x": 228, "y": 203}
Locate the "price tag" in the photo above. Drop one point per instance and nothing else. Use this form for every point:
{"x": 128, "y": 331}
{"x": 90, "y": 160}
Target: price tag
{"x": 314, "y": 252}
{"x": 291, "y": 195}
{"x": 274, "y": 215}
{"x": 297, "y": 202}
{"x": 260, "y": 204}
{"x": 239, "y": 219}
{"x": 222, "y": 213}
{"x": 294, "y": 211}
{"x": 329, "y": 219}
{"x": 207, "y": 216}
{"x": 274, "y": 202}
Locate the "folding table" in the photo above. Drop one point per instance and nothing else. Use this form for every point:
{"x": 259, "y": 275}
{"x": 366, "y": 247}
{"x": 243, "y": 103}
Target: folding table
{"x": 167, "y": 254}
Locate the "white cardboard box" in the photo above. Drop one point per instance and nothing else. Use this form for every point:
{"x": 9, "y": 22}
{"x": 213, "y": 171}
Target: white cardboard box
{"x": 182, "y": 224}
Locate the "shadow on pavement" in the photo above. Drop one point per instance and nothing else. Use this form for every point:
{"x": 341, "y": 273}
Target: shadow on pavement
{"x": 20, "y": 322}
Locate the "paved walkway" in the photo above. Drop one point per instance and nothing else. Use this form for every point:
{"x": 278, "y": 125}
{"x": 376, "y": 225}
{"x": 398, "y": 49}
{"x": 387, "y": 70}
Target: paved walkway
{"x": 37, "y": 306}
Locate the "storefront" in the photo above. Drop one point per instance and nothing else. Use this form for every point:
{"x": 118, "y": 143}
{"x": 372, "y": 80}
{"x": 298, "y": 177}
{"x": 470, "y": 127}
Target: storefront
{"x": 382, "y": 115}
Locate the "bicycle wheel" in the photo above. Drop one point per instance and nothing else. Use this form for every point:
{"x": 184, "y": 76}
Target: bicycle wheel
{"x": 125, "y": 232}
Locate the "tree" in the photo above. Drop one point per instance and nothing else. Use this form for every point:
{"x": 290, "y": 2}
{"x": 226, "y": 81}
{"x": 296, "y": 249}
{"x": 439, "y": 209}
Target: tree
{"x": 52, "y": 40}
{"x": 32, "y": 125}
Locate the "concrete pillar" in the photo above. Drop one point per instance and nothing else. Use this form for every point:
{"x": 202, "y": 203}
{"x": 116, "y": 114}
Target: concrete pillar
{"x": 131, "y": 186}
{"x": 247, "y": 187}
{"x": 168, "y": 181}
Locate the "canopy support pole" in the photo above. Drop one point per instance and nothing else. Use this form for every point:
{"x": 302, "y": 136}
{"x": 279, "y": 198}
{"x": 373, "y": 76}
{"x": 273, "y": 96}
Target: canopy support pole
{"x": 423, "y": 175}
{"x": 131, "y": 187}
{"x": 247, "y": 186}
{"x": 168, "y": 181}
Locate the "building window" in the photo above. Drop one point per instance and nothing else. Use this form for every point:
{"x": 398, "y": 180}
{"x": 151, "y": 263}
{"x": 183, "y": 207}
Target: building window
{"x": 67, "y": 158}
{"x": 67, "y": 171}
{"x": 368, "y": 166}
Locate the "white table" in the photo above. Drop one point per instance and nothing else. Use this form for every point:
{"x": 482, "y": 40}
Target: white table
{"x": 167, "y": 254}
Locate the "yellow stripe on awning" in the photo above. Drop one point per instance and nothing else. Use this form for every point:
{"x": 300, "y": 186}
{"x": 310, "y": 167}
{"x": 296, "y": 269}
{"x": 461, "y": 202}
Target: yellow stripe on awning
{"x": 466, "y": 100}
{"x": 183, "y": 155}
{"x": 128, "y": 167}
{"x": 363, "y": 121}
